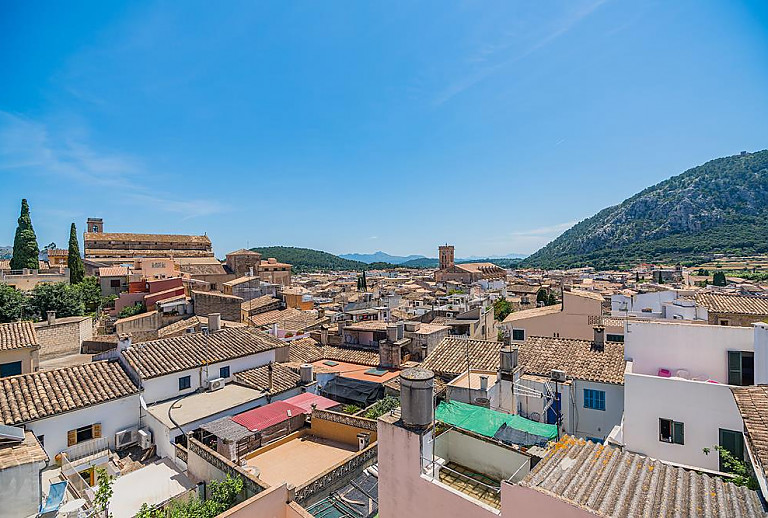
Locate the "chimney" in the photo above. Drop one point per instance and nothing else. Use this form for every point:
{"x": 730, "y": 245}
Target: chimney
{"x": 51, "y": 317}
{"x": 389, "y": 354}
{"x": 483, "y": 382}
{"x": 324, "y": 336}
{"x": 123, "y": 342}
{"x": 269, "y": 374}
{"x": 599, "y": 342}
{"x": 342, "y": 324}
{"x": 274, "y": 329}
{"x": 214, "y": 322}
{"x": 392, "y": 332}
{"x": 282, "y": 354}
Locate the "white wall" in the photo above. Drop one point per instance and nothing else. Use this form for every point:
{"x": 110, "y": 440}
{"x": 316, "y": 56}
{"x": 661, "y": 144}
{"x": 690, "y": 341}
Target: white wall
{"x": 114, "y": 416}
{"x": 20, "y": 489}
{"x": 636, "y": 303}
{"x": 167, "y": 387}
{"x": 700, "y": 349}
{"x": 702, "y": 407}
{"x": 484, "y": 457}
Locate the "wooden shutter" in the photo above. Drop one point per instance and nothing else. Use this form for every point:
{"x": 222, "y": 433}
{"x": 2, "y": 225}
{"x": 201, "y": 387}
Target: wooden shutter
{"x": 96, "y": 430}
{"x": 71, "y": 437}
{"x": 734, "y": 368}
{"x": 679, "y": 433}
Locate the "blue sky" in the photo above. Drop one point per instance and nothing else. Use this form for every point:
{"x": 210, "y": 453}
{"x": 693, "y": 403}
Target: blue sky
{"x": 362, "y": 126}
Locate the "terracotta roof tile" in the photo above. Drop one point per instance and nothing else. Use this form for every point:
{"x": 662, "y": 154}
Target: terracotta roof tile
{"x": 738, "y": 304}
{"x": 29, "y": 397}
{"x": 283, "y": 378}
{"x": 449, "y": 357}
{"x": 188, "y": 351}
{"x": 96, "y": 237}
{"x": 540, "y": 354}
{"x": 307, "y": 350}
{"x": 17, "y": 335}
{"x": 753, "y": 405}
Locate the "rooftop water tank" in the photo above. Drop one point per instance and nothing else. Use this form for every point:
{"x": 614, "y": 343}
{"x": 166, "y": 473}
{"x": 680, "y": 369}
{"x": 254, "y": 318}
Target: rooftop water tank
{"x": 508, "y": 361}
{"x": 305, "y": 371}
{"x": 416, "y": 395}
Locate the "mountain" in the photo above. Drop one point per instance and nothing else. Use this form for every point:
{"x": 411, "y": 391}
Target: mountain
{"x": 717, "y": 207}
{"x": 380, "y": 257}
{"x": 306, "y": 259}
{"x": 431, "y": 262}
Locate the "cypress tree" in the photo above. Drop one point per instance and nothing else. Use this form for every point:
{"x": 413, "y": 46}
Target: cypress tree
{"x": 74, "y": 262}
{"x": 25, "y": 249}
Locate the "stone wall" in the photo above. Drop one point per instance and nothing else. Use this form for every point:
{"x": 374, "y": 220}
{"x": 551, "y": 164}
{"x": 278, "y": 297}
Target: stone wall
{"x": 735, "y": 319}
{"x": 64, "y": 337}
{"x": 212, "y": 302}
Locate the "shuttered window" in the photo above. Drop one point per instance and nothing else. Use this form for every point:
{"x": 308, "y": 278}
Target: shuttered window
{"x": 84, "y": 433}
{"x": 733, "y": 442}
{"x": 671, "y": 431}
{"x": 741, "y": 368}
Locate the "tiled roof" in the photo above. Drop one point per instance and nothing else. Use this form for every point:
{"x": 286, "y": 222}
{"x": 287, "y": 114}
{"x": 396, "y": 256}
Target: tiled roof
{"x": 540, "y": 354}
{"x": 369, "y": 325}
{"x": 307, "y": 350}
{"x": 753, "y": 405}
{"x": 283, "y": 378}
{"x": 203, "y": 269}
{"x": 24, "y": 452}
{"x": 480, "y": 267}
{"x": 614, "y": 483}
{"x": 290, "y": 319}
{"x": 394, "y": 384}
{"x": 17, "y": 335}
{"x": 532, "y": 313}
{"x": 168, "y": 355}
{"x": 449, "y": 357}
{"x": 259, "y": 302}
{"x": 113, "y": 271}
{"x": 739, "y": 304}
{"x": 29, "y": 397}
{"x": 95, "y": 237}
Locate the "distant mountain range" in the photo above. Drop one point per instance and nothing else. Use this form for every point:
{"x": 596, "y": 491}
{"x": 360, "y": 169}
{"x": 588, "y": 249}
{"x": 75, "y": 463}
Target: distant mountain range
{"x": 307, "y": 260}
{"x": 380, "y": 257}
{"x": 718, "y": 207}
{"x": 412, "y": 260}
{"x": 6, "y": 252}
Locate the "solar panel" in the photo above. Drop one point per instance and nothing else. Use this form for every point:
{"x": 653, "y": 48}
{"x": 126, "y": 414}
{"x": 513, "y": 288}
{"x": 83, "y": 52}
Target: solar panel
{"x": 376, "y": 372}
{"x": 330, "y": 363}
{"x": 11, "y": 433}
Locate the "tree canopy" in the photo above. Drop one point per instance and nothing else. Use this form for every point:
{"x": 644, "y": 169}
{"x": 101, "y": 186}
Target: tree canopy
{"x": 65, "y": 299}
{"x": 718, "y": 279}
{"x": 25, "y": 249}
{"x": 74, "y": 261}
{"x": 13, "y": 304}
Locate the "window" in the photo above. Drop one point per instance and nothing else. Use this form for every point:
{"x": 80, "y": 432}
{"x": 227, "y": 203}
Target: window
{"x": 224, "y": 372}
{"x": 518, "y": 334}
{"x": 594, "y": 399}
{"x": 10, "y": 369}
{"x": 724, "y": 322}
{"x": 185, "y": 382}
{"x": 615, "y": 338}
{"x": 84, "y": 433}
{"x": 41, "y": 440}
{"x": 741, "y": 368}
{"x": 114, "y": 283}
{"x": 671, "y": 431}
{"x": 733, "y": 442}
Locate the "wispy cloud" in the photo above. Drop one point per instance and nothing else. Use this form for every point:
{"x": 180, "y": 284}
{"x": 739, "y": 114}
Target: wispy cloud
{"x": 485, "y": 53}
{"x": 32, "y": 147}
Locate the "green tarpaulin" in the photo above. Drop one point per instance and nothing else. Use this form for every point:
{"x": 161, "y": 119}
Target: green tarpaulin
{"x": 486, "y": 422}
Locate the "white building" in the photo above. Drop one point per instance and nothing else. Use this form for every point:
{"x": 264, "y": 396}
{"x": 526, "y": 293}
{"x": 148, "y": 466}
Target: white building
{"x": 173, "y": 367}
{"x": 678, "y": 404}
{"x": 663, "y": 304}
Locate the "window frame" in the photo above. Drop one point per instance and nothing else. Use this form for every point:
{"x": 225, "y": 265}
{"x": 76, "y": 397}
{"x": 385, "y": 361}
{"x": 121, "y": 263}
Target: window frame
{"x": 736, "y": 373}
{"x": 85, "y": 431}
{"x": 612, "y": 337}
{"x": 228, "y": 371}
{"x": 518, "y": 331}
{"x": 594, "y": 399}
{"x": 676, "y": 432}
{"x": 185, "y": 380}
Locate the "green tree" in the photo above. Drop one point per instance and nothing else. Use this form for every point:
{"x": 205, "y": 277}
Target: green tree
{"x": 129, "y": 311}
{"x": 25, "y": 249}
{"x": 501, "y": 308}
{"x": 718, "y": 279}
{"x": 551, "y": 299}
{"x": 13, "y": 304}
{"x": 91, "y": 293}
{"x": 65, "y": 299}
{"x": 103, "y": 493}
{"x": 542, "y": 297}
{"x": 74, "y": 261}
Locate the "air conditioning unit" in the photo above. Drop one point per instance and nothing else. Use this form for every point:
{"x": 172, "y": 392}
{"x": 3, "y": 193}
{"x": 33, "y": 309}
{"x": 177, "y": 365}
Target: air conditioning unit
{"x": 145, "y": 438}
{"x": 557, "y": 375}
{"x": 215, "y": 384}
{"x": 125, "y": 439}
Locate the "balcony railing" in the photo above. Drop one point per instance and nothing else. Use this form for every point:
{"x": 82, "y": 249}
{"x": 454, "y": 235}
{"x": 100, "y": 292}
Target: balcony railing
{"x": 87, "y": 448}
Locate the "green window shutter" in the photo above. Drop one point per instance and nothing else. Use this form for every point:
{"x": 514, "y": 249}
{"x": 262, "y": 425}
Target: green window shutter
{"x": 734, "y": 368}
{"x": 678, "y": 436}
{"x": 732, "y": 441}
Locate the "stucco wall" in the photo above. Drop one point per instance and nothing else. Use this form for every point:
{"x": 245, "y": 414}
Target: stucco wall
{"x": 29, "y": 358}
{"x": 167, "y": 387}
{"x": 702, "y": 407}
{"x": 489, "y": 459}
{"x": 113, "y": 415}
{"x": 517, "y": 501}
{"x": 339, "y": 432}
{"x": 700, "y": 349}
{"x": 20, "y": 489}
